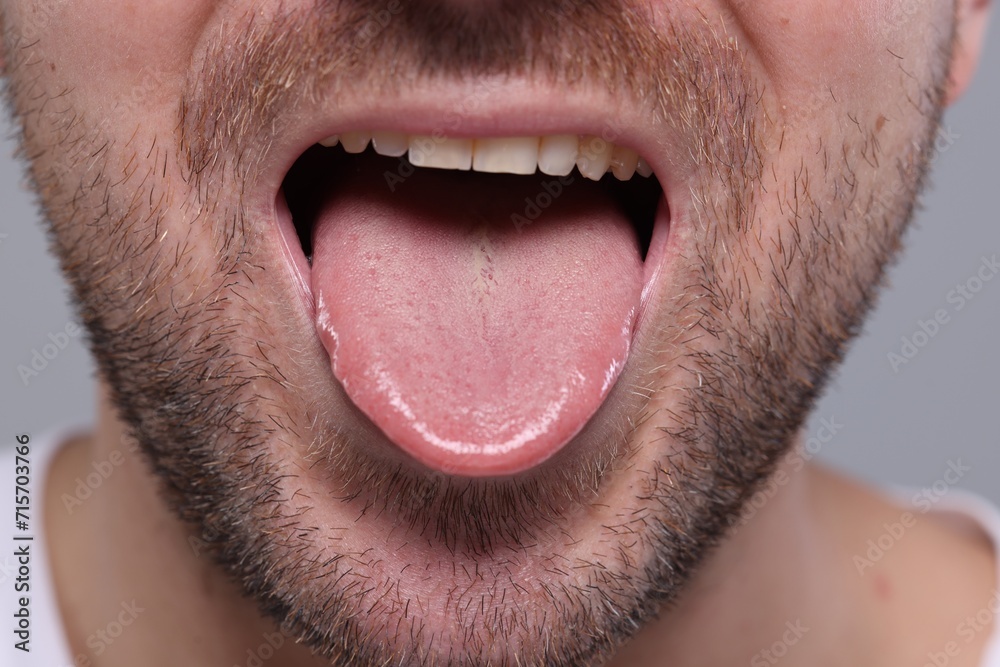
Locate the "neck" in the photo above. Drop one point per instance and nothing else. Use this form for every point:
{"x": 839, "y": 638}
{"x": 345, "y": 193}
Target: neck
{"x": 778, "y": 588}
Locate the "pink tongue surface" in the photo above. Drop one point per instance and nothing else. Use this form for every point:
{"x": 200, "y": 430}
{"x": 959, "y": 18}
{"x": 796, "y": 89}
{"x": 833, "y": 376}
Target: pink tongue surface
{"x": 477, "y": 345}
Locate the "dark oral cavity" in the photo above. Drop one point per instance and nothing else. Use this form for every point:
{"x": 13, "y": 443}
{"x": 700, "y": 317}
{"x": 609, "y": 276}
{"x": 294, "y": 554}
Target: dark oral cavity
{"x": 478, "y": 320}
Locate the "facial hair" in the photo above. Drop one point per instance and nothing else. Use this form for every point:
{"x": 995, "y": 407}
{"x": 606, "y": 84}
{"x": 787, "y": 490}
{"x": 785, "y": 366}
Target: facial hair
{"x": 235, "y": 426}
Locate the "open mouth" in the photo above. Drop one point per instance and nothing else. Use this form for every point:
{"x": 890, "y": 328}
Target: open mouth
{"x": 478, "y": 298}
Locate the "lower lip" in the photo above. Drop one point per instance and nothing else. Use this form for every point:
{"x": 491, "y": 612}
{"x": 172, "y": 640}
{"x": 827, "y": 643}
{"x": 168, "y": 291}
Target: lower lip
{"x": 296, "y": 259}
{"x": 656, "y": 256}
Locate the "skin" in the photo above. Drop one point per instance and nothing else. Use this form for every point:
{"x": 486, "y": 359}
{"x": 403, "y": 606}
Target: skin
{"x": 787, "y": 201}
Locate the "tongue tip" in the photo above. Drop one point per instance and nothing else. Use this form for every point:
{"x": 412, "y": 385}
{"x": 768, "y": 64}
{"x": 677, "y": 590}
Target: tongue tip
{"x": 477, "y": 460}
{"x": 498, "y": 436}
{"x": 484, "y": 466}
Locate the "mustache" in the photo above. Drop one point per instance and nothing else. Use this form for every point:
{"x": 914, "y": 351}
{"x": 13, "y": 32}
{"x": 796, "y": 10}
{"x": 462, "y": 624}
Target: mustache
{"x": 259, "y": 67}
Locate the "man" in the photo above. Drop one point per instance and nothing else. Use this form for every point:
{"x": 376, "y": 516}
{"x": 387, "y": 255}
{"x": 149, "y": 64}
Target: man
{"x": 450, "y": 332}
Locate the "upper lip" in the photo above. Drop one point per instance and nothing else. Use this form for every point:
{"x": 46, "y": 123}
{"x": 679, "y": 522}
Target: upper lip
{"x": 476, "y": 109}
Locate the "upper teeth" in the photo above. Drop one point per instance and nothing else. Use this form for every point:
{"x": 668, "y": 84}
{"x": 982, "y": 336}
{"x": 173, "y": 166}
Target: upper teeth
{"x": 555, "y": 155}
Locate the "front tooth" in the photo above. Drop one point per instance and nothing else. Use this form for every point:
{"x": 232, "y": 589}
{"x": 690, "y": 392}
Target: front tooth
{"x": 441, "y": 153}
{"x": 355, "y": 142}
{"x": 392, "y": 144}
{"x": 595, "y": 157}
{"x": 643, "y": 169}
{"x": 514, "y": 155}
{"x": 330, "y": 142}
{"x": 623, "y": 162}
{"x": 557, "y": 154}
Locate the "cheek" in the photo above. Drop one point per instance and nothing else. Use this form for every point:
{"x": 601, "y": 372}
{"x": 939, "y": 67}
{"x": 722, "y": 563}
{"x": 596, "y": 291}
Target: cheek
{"x": 104, "y": 50}
{"x": 853, "y": 47}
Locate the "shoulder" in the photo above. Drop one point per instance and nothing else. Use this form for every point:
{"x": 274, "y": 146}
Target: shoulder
{"x": 927, "y": 564}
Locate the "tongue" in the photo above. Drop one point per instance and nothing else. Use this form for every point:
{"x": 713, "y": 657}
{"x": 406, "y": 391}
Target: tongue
{"x": 478, "y": 321}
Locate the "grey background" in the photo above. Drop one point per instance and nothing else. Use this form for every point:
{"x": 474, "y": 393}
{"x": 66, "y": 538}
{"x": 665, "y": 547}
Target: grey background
{"x": 901, "y": 427}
